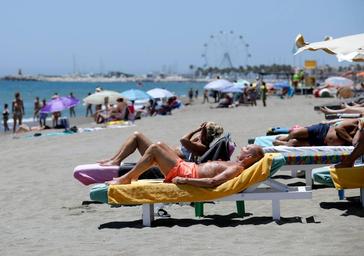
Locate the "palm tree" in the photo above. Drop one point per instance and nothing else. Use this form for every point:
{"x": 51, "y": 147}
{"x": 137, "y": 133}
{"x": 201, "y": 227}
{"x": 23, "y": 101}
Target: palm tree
{"x": 192, "y": 67}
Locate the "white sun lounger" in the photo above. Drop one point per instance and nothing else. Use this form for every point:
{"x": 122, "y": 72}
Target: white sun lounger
{"x": 267, "y": 190}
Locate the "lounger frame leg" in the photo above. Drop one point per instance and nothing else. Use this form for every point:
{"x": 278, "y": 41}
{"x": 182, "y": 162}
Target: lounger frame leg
{"x": 199, "y": 209}
{"x": 240, "y": 207}
{"x": 148, "y": 214}
{"x": 276, "y": 211}
{"x": 308, "y": 177}
{"x": 362, "y": 197}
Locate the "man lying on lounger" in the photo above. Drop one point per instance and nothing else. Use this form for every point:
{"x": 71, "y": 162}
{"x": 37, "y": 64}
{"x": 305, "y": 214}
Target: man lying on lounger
{"x": 210, "y": 174}
{"x": 358, "y": 150}
{"x": 338, "y": 134}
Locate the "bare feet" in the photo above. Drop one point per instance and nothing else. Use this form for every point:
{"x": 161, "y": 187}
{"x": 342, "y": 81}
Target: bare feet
{"x": 279, "y": 143}
{"x": 324, "y": 110}
{"x": 119, "y": 181}
{"x": 282, "y": 137}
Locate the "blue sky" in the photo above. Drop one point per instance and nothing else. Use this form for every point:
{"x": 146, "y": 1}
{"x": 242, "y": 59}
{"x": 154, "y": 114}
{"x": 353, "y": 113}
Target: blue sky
{"x": 140, "y": 36}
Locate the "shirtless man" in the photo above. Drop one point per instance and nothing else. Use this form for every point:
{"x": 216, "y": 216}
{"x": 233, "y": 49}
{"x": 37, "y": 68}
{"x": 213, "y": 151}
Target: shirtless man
{"x": 210, "y": 174}
{"x": 358, "y": 142}
{"x": 18, "y": 110}
{"x": 340, "y": 134}
{"x": 120, "y": 110}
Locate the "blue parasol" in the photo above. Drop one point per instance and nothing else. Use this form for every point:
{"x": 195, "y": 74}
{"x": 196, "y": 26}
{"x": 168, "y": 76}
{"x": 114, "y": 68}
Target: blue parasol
{"x": 135, "y": 94}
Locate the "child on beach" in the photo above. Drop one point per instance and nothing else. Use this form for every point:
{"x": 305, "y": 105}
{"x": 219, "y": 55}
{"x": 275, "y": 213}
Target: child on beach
{"x": 6, "y": 117}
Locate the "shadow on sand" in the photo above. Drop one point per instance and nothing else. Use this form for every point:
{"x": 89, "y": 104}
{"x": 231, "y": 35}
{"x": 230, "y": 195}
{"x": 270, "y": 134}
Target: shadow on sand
{"x": 221, "y": 221}
{"x": 351, "y": 207}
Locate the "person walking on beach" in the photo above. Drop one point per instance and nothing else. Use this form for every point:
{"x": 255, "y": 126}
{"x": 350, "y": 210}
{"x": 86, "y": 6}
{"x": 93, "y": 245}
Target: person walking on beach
{"x": 205, "y": 96}
{"x": 252, "y": 95}
{"x": 196, "y": 94}
{"x": 6, "y": 117}
{"x": 18, "y": 110}
{"x": 43, "y": 115}
{"x": 190, "y": 95}
{"x": 264, "y": 93}
{"x": 72, "y": 109}
{"x": 89, "y": 107}
{"x": 36, "y": 109}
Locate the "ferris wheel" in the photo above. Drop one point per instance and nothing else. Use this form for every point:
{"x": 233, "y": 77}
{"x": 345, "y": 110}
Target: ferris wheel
{"x": 225, "y": 50}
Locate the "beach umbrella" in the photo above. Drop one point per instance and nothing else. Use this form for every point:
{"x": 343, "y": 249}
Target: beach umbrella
{"x": 157, "y": 93}
{"x": 59, "y": 103}
{"x": 135, "y": 94}
{"x": 348, "y": 48}
{"x": 338, "y": 81}
{"x": 232, "y": 89}
{"x": 218, "y": 85}
{"x": 99, "y": 97}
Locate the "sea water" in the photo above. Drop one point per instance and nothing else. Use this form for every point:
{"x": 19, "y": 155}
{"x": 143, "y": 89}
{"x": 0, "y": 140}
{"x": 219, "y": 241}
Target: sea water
{"x": 44, "y": 90}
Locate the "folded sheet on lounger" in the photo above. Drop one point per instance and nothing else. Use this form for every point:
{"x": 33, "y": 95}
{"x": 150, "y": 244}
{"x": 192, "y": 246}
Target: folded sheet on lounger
{"x": 146, "y": 191}
{"x": 322, "y": 175}
{"x": 265, "y": 141}
{"x": 312, "y": 155}
{"x": 344, "y": 178}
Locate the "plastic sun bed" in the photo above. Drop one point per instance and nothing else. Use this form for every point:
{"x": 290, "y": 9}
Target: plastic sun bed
{"x": 342, "y": 115}
{"x": 255, "y": 183}
{"x": 343, "y": 178}
{"x": 308, "y": 158}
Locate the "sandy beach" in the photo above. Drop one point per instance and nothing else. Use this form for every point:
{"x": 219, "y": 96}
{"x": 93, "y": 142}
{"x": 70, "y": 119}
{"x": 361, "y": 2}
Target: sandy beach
{"x": 42, "y": 211}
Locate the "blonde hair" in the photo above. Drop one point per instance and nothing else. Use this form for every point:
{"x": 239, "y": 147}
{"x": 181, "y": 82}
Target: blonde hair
{"x": 213, "y": 130}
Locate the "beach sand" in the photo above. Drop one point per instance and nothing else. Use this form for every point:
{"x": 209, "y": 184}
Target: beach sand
{"x": 42, "y": 211}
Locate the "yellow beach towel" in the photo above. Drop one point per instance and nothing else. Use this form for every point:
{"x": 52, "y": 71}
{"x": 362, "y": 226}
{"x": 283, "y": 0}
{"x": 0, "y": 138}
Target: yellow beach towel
{"x": 147, "y": 191}
{"x": 344, "y": 178}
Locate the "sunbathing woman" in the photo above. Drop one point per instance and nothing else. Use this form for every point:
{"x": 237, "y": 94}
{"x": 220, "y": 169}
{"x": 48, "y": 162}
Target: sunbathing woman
{"x": 193, "y": 144}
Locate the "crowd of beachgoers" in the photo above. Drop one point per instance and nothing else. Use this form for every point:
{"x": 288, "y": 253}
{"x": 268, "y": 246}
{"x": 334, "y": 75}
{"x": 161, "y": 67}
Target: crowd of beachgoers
{"x": 111, "y": 108}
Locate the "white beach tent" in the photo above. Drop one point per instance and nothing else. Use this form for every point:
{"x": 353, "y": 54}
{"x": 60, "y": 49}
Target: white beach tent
{"x": 218, "y": 85}
{"x": 348, "y": 48}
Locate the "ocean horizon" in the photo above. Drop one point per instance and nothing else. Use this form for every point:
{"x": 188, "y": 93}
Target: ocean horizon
{"x": 44, "y": 90}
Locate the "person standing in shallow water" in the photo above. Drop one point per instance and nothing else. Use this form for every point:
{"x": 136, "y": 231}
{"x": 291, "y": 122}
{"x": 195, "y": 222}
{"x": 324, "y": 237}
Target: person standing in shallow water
{"x": 36, "y": 108}
{"x": 72, "y": 109}
{"x": 17, "y": 108}
{"x": 89, "y": 107}
{"x": 6, "y": 117}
